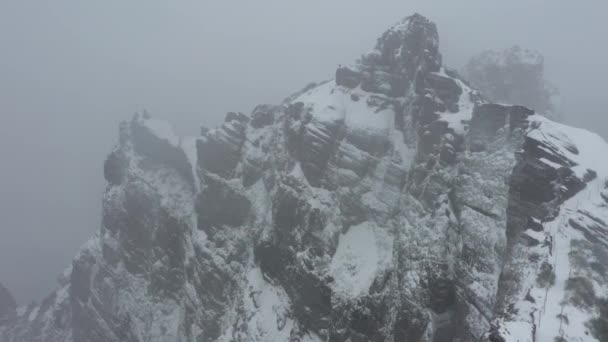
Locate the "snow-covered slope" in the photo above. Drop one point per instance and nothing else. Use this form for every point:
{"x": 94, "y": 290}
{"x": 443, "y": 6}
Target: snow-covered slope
{"x": 561, "y": 269}
{"x": 392, "y": 203}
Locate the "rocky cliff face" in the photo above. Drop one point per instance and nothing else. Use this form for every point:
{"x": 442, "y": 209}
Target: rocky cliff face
{"x": 390, "y": 204}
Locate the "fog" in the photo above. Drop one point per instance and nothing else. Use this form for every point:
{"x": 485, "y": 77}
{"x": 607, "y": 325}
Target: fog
{"x": 71, "y": 70}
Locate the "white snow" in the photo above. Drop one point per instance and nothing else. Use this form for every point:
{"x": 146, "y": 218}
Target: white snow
{"x": 371, "y": 201}
{"x": 188, "y": 145}
{"x": 33, "y": 314}
{"x": 330, "y": 103}
{"x": 552, "y": 302}
{"x": 550, "y": 163}
{"x": 457, "y": 121}
{"x": 406, "y": 154}
{"x": 270, "y": 306}
{"x": 163, "y": 130}
{"x": 362, "y": 252}
{"x": 62, "y": 294}
{"x": 267, "y": 311}
{"x": 549, "y": 324}
{"x": 588, "y": 144}
{"x": 175, "y": 194}
{"x": 298, "y": 173}
{"x": 402, "y": 25}
{"x": 199, "y": 236}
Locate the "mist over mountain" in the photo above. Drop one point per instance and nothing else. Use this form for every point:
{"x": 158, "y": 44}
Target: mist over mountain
{"x": 72, "y": 70}
{"x": 515, "y": 75}
{"x": 394, "y": 202}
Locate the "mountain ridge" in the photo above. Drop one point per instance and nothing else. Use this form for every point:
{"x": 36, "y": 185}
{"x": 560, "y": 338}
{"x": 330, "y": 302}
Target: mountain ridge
{"x": 393, "y": 203}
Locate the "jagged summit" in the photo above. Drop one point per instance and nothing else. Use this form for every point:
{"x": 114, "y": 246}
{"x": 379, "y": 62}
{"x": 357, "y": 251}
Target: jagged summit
{"x": 406, "y": 48}
{"x": 393, "y": 203}
{"x": 413, "y": 37}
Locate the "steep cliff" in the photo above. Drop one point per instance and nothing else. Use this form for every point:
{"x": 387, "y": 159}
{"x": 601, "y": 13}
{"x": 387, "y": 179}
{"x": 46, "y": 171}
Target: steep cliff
{"x": 392, "y": 203}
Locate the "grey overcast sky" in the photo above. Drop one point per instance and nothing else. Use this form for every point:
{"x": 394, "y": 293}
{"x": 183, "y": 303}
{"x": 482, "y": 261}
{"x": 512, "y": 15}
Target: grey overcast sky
{"x": 70, "y": 70}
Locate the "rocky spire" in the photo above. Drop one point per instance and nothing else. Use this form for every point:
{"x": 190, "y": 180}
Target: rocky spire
{"x": 408, "y": 47}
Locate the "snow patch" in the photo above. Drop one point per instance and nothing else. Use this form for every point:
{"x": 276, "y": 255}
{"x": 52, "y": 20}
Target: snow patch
{"x": 267, "y": 311}
{"x": 363, "y": 251}
{"x": 33, "y": 314}
{"x": 188, "y": 145}
{"x": 550, "y": 311}
{"x": 587, "y": 143}
{"x": 330, "y": 103}
{"x": 458, "y": 121}
{"x": 550, "y": 163}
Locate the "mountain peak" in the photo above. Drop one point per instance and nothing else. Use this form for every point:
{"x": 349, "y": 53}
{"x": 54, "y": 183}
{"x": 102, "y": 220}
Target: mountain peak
{"x": 415, "y": 20}
{"x": 410, "y": 39}
{"x": 409, "y": 46}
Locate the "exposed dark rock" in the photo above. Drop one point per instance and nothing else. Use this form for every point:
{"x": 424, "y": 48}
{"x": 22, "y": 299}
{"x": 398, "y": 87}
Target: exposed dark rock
{"x": 535, "y": 225}
{"x": 233, "y": 116}
{"x": 159, "y": 150}
{"x": 446, "y": 89}
{"x": 262, "y": 116}
{"x": 592, "y": 230}
{"x": 217, "y": 288}
{"x": 546, "y": 276}
{"x": 400, "y": 52}
{"x": 599, "y": 325}
{"x": 347, "y": 77}
{"x": 589, "y": 176}
{"x": 114, "y": 168}
{"x": 430, "y": 138}
{"x": 375, "y": 145}
{"x": 253, "y": 170}
{"x": 489, "y": 119}
{"x": 220, "y": 152}
{"x": 409, "y": 326}
{"x": 581, "y": 292}
{"x": 142, "y": 210}
{"x": 311, "y": 296}
{"x": 495, "y": 336}
{"x": 219, "y": 204}
{"x": 313, "y": 144}
{"x": 537, "y": 186}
